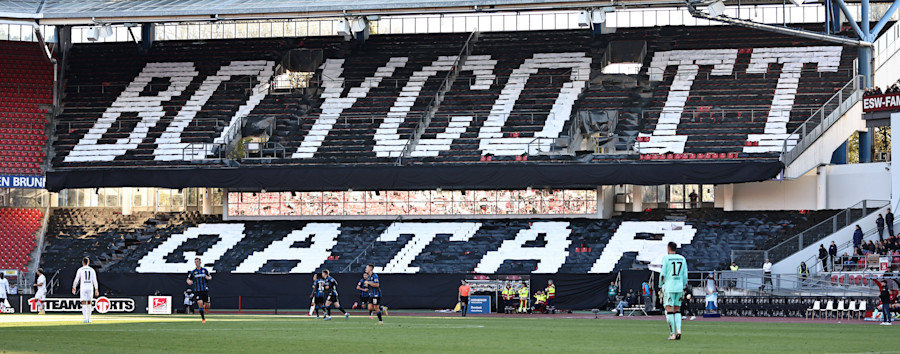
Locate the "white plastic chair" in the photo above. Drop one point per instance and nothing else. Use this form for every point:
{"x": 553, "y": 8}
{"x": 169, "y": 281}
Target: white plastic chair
{"x": 851, "y": 308}
{"x": 839, "y": 311}
{"x": 829, "y": 308}
{"x": 861, "y": 311}
{"x": 816, "y": 307}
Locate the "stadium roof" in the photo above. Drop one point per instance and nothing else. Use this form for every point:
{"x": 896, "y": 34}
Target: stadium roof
{"x": 59, "y": 12}
{"x": 82, "y": 11}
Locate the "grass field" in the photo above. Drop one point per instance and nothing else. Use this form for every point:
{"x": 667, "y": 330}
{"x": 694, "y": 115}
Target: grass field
{"x": 409, "y": 334}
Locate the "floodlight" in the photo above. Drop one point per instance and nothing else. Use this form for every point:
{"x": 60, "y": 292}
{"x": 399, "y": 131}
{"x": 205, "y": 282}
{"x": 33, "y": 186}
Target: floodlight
{"x": 584, "y": 19}
{"x": 343, "y": 28}
{"x": 716, "y": 9}
{"x": 93, "y": 34}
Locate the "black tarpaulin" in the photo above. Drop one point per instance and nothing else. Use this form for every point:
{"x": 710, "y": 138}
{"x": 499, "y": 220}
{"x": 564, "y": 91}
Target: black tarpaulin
{"x": 416, "y": 177}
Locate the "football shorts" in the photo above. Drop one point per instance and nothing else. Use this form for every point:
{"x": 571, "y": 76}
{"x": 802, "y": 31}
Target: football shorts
{"x": 87, "y": 294}
{"x": 673, "y": 299}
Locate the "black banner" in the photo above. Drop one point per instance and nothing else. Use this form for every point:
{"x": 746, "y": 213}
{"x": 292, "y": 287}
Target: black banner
{"x": 424, "y": 176}
{"x": 400, "y": 291}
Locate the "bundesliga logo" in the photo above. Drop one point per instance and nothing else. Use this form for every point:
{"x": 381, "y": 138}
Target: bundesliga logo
{"x": 101, "y": 304}
{"x": 160, "y": 303}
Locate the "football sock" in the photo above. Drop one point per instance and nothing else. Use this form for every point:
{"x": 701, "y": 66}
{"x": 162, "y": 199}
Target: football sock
{"x": 89, "y": 310}
{"x": 84, "y": 311}
{"x": 342, "y": 309}
{"x": 328, "y": 311}
{"x": 670, "y": 319}
{"x": 311, "y": 309}
{"x": 379, "y": 315}
{"x": 677, "y": 322}
{"x": 202, "y": 314}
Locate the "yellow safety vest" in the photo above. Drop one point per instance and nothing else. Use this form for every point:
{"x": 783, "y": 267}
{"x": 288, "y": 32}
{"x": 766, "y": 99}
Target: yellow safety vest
{"x": 508, "y": 293}
{"x": 551, "y": 290}
{"x": 523, "y": 294}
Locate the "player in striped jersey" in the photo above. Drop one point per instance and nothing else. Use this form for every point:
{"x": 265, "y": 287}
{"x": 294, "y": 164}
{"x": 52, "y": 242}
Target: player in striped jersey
{"x": 86, "y": 278}
{"x": 331, "y": 296}
{"x": 198, "y": 277}
{"x": 673, "y": 280}
{"x": 374, "y": 286}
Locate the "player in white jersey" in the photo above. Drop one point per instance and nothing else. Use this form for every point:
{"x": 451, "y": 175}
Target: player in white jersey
{"x": 86, "y": 277}
{"x": 41, "y": 293}
{"x": 4, "y": 290}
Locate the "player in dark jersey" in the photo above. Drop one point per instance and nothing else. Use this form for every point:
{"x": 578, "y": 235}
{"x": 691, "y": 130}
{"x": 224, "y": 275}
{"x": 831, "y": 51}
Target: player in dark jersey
{"x": 374, "y": 291}
{"x": 363, "y": 294}
{"x": 319, "y": 293}
{"x": 312, "y": 296}
{"x": 198, "y": 277}
{"x": 331, "y": 296}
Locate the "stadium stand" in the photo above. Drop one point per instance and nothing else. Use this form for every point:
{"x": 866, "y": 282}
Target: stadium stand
{"x": 144, "y": 110}
{"x": 17, "y": 236}
{"x": 26, "y": 91}
{"x": 125, "y": 243}
{"x": 372, "y": 97}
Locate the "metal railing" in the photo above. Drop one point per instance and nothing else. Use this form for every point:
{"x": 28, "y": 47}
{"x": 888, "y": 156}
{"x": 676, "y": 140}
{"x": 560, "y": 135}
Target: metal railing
{"x": 119, "y": 123}
{"x": 399, "y": 83}
{"x": 844, "y": 218}
{"x": 267, "y": 150}
{"x": 365, "y": 251}
{"x": 819, "y": 122}
{"x": 541, "y": 146}
{"x": 431, "y": 107}
{"x": 814, "y": 262}
{"x": 203, "y": 151}
{"x": 753, "y": 113}
{"x": 85, "y": 88}
{"x": 754, "y": 282}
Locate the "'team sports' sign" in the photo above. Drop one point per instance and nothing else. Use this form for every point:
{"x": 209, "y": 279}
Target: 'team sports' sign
{"x": 22, "y": 182}
{"x": 889, "y": 102}
{"x": 101, "y": 305}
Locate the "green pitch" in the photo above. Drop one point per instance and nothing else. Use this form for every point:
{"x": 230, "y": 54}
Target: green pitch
{"x": 281, "y": 334}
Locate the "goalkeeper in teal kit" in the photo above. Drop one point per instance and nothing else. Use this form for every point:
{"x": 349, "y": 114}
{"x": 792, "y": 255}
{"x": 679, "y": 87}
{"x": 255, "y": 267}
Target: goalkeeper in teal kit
{"x": 673, "y": 280}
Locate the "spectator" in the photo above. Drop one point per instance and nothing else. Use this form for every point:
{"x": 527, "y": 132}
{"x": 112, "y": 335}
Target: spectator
{"x": 870, "y": 246}
{"x": 693, "y": 197}
{"x": 889, "y": 220}
{"x": 879, "y": 224}
{"x": 858, "y": 236}
{"x": 804, "y": 272}
{"x": 734, "y": 267}
{"x": 626, "y": 302}
{"x": 687, "y": 306}
{"x": 885, "y": 296}
{"x": 612, "y": 292}
{"x": 847, "y": 262}
{"x": 188, "y": 301}
{"x": 823, "y": 257}
{"x": 767, "y": 275}
{"x": 832, "y": 254}
{"x": 645, "y": 294}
